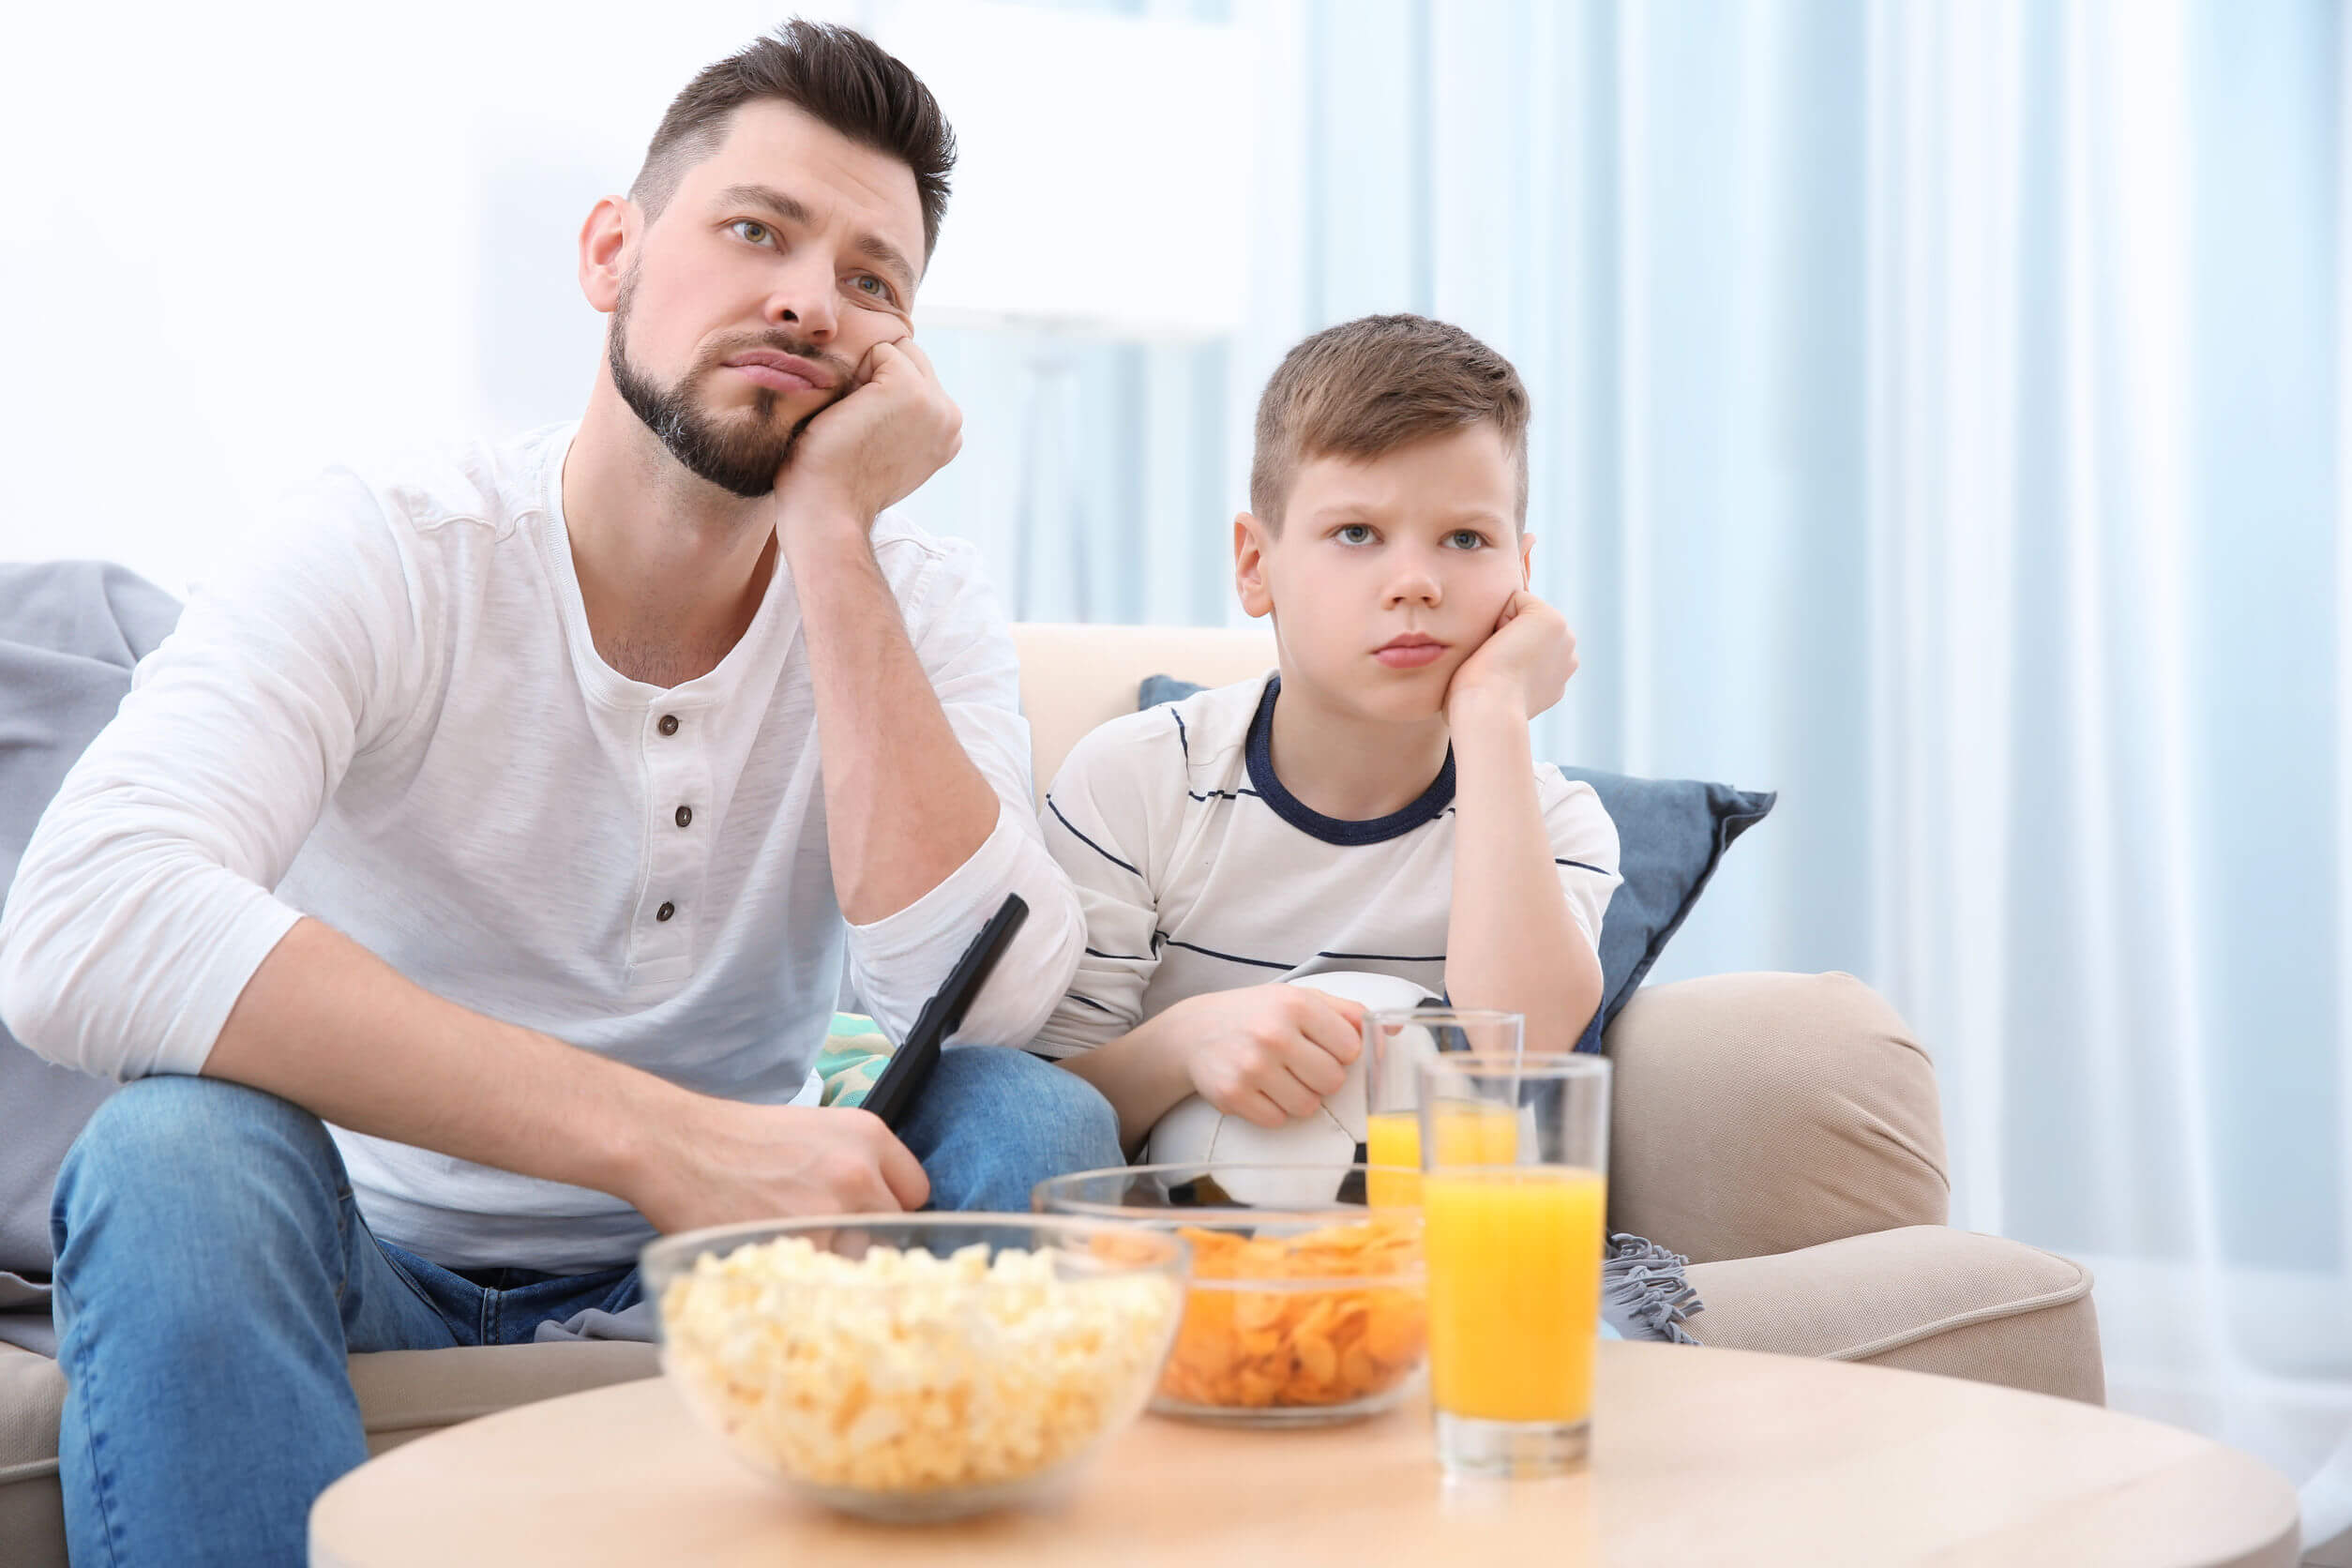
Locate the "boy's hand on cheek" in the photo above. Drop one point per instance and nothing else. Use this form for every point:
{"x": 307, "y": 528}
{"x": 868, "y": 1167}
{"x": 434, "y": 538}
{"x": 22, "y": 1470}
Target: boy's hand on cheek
{"x": 1269, "y": 1054}
{"x": 1522, "y": 666}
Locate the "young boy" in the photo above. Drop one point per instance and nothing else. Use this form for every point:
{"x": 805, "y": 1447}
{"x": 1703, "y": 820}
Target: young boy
{"x": 1375, "y": 804}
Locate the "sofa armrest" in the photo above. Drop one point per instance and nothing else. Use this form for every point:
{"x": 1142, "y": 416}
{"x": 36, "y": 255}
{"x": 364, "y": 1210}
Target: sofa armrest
{"x": 1924, "y": 1298}
{"x": 1760, "y": 1113}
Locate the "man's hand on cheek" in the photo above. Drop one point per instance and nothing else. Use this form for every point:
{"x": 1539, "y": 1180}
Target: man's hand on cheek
{"x": 1524, "y": 664}
{"x": 871, "y": 449}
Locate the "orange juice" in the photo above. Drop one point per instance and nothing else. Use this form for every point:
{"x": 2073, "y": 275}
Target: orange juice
{"x": 1392, "y": 1138}
{"x": 1515, "y": 1290}
{"x": 1468, "y": 1133}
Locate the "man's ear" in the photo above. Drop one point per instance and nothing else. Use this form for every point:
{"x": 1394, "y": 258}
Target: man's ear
{"x": 1526, "y": 560}
{"x": 1249, "y": 565}
{"x": 604, "y": 250}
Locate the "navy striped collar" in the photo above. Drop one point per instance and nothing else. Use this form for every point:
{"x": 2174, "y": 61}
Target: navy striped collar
{"x": 1335, "y": 830}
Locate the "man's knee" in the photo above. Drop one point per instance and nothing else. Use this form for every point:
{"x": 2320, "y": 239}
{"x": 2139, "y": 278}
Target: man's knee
{"x": 1031, "y": 1103}
{"x": 1090, "y": 1125}
{"x": 177, "y": 1148}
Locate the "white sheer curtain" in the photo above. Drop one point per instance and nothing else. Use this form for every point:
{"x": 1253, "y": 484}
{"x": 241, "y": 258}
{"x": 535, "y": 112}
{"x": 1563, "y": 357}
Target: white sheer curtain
{"x": 1941, "y": 416}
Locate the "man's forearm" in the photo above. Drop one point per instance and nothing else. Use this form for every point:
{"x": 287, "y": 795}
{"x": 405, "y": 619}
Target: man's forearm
{"x": 329, "y": 1026}
{"x": 904, "y": 806}
{"x": 1511, "y": 942}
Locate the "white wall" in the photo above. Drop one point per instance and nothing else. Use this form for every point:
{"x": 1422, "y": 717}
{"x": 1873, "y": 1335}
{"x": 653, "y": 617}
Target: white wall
{"x": 248, "y": 240}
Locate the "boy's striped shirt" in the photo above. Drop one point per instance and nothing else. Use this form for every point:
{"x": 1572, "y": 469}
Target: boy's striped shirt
{"x": 1197, "y": 872}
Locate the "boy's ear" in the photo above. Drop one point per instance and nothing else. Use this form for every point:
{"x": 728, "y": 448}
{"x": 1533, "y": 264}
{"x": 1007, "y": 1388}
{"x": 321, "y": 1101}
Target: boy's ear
{"x": 1249, "y": 565}
{"x": 1526, "y": 560}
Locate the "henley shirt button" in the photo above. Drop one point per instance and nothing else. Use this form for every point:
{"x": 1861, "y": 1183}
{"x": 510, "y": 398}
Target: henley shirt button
{"x": 686, "y": 815}
{"x": 665, "y": 912}
{"x": 670, "y": 724}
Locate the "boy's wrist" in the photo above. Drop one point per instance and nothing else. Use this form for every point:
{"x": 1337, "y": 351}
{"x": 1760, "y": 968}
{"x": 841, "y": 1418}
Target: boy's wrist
{"x": 1491, "y": 706}
{"x": 1494, "y": 745}
{"x": 1164, "y": 1046}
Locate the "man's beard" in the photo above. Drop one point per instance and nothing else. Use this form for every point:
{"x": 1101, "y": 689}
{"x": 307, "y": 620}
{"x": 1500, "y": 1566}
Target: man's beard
{"x": 741, "y": 455}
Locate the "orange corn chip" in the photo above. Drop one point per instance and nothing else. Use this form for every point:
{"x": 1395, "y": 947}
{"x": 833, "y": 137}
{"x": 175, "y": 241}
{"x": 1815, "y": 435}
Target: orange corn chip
{"x": 1257, "y": 1310}
{"x": 1317, "y": 1360}
{"x": 1253, "y": 1349}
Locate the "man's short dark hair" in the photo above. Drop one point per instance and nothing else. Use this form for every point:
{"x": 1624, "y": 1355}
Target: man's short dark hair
{"x": 836, "y": 75}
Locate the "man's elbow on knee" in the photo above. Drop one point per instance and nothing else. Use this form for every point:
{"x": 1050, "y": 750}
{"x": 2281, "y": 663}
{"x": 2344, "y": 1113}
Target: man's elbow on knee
{"x": 38, "y": 1005}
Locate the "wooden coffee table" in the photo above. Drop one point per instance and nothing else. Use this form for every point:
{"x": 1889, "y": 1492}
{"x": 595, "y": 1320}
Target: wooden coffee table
{"x": 1699, "y": 1457}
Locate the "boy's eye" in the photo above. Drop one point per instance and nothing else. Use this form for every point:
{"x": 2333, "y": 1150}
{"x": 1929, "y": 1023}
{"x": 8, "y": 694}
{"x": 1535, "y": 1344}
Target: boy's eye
{"x": 1465, "y": 539}
{"x": 1353, "y": 534}
{"x": 750, "y": 229}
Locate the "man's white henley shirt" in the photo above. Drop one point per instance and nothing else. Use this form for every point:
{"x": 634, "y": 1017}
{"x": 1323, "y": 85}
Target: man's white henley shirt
{"x": 390, "y": 716}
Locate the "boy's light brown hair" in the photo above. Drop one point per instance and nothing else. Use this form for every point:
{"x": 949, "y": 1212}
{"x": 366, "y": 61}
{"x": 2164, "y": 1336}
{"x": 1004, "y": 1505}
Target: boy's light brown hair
{"x": 1370, "y": 385}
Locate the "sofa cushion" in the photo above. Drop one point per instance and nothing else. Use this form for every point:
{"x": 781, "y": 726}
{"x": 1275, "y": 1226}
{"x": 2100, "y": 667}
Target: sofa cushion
{"x": 402, "y": 1394}
{"x": 1925, "y": 1298}
{"x": 1760, "y": 1114}
{"x": 69, "y": 633}
{"x": 32, "y": 1514}
{"x": 407, "y": 1394}
{"x": 32, "y": 1397}
{"x": 1074, "y": 678}
{"x": 1671, "y": 834}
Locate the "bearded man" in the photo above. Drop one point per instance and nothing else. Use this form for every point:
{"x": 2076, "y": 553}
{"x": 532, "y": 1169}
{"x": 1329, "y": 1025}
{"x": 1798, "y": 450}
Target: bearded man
{"x": 466, "y": 886}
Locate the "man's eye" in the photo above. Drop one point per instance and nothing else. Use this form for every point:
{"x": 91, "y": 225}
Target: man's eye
{"x": 1354, "y": 534}
{"x": 750, "y": 229}
{"x": 880, "y": 290}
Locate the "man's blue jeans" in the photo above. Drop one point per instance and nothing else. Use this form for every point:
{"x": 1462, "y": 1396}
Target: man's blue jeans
{"x": 212, "y": 1273}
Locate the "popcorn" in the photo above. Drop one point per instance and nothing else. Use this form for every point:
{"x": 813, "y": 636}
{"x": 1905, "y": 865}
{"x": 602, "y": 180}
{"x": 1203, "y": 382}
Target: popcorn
{"x": 907, "y": 1372}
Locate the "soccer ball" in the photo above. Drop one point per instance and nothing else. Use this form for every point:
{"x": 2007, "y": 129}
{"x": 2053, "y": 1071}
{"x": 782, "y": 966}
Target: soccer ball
{"x": 1194, "y": 1132}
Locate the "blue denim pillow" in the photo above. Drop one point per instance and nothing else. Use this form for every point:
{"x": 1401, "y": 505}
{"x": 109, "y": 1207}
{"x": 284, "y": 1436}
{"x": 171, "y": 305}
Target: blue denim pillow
{"x": 1670, "y": 833}
{"x": 1156, "y": 689}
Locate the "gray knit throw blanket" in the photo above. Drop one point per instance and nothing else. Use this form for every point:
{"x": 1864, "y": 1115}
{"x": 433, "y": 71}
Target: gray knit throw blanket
{"x": 1644, "y": 1292}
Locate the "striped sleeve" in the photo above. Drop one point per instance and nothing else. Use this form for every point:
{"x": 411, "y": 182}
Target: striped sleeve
{"x": 1584, "y": 852}
{"x": 1097, "y": 824}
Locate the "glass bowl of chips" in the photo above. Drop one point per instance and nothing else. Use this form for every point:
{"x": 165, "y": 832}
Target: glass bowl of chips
{"x": 1306, "y": 1304}
{"x": 917, "y": 1367}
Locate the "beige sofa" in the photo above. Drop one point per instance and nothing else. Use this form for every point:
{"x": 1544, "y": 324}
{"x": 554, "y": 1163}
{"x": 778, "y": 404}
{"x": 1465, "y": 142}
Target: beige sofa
{"x": 1782, "y": 1130}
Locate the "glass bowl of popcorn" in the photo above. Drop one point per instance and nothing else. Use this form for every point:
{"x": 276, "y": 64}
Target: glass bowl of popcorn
{"x": 1307, "y": 1302}
{"x": 917, "y": 1367}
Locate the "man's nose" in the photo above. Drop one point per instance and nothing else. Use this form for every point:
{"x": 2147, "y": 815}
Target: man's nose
{"x": 803, "y": 301}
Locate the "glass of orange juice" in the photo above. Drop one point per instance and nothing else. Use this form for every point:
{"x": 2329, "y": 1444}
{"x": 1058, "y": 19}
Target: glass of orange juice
{"x": 1396, "y": 1043}
{"x": 1513, "y": 1198}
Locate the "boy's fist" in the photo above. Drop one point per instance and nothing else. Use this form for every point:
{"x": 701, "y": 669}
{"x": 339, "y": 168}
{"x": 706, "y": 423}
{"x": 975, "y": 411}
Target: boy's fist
{"x": 1269, "y": 1054}
{"x": 1525, "y": 661}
